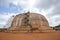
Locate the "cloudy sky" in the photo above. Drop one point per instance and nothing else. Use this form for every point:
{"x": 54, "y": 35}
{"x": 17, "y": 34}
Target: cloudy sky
{"x": 49, "y": 8}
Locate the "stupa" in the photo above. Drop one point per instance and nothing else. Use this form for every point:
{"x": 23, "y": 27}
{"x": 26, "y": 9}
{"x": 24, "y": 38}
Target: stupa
{"x": 30, "y": 22}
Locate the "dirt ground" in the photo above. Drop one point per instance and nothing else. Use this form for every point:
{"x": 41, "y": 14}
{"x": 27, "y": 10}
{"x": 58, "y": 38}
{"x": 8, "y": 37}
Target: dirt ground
{"x": 30, "y": 36}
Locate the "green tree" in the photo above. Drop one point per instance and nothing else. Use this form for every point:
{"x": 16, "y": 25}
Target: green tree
{"x": 58, "y": 25}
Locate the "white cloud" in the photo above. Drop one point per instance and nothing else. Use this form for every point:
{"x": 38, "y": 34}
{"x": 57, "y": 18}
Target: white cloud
{"x": 54, "y": 20}
{"x": 29, "y": 5}
{"x": 44, "y": 7}
{"x": 5, "y": 17}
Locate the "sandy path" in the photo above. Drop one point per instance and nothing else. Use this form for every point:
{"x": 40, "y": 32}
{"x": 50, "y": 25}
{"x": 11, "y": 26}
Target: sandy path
{"x": 30, "y": 36}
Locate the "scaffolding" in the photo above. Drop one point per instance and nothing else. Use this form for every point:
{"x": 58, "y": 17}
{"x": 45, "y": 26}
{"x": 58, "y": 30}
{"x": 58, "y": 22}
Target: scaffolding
{"x": 8, "y": 24}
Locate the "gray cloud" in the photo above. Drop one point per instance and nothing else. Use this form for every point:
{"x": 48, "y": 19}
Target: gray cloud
{"x": 45, "y": 5}
{"x": 53, "y": 15}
